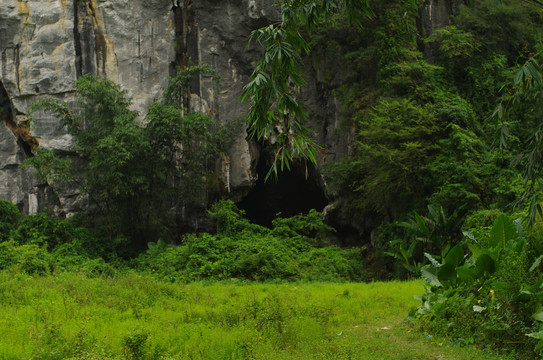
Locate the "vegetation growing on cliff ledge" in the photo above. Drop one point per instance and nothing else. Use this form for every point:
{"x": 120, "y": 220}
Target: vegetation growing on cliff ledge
{"x": 128, "y": 199}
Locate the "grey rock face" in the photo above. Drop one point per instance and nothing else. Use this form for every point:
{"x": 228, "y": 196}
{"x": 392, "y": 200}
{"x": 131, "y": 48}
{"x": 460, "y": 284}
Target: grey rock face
{"x": 46, "y": 45}
{"x": 436, "y": 14}
{"x": 219, "y": 38}
{"x": 129, "y": 42}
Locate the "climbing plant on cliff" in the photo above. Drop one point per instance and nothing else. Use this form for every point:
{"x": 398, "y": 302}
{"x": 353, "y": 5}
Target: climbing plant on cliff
{"x": 138, "y": 174}
{"x": 275, "y": 113}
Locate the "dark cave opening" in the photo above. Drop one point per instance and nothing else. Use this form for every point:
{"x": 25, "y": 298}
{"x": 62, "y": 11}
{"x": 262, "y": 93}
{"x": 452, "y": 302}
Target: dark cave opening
{"x": 5, "y": 105}
{"x": 293, "y": 192}
{"x": 7, "y": 116}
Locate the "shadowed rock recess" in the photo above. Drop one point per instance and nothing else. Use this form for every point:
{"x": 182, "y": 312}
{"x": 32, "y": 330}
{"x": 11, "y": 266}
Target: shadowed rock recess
{"x": 46, "y": 45}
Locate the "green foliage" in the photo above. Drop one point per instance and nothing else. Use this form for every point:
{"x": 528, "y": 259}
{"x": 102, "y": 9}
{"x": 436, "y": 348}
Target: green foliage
{"x": 189, "y": 146}
{"x": 44, "y": 230}
{"x": 34, "y": 260}
{"x": 495, "y": 282}
{"x": 412, "y": 79}
{"x": 423, "y": 131}
{"x": 26, "y": 259}
{"x": 401, "y": 245}
{"x": 70, "y": 256}
{"x": 127, "y": 199}
{"x": 310, "y": 225}
{"x": 397, "y": 140}
{"x": 50, "y": 168}
{"x": 134, "y": 346}
{"x": 274, "y": 110}
{"x": 454, "y": 42}
{"x": 109, "y": 139}
{"x": 9, "y": 219}
{"x": 508, "y": 27}
{"x": 408, "y": 152}
{"x": 230, "y": 220}
{"x": 390, "y": 168}
{"x": 470, "y": 174}
{"x": 247, "y": 251}
{"x": 395, "y": 33}
{"x": 436, "y": 232}
{"x": 40, "y": 244}
{"x": 521, "y": 99}
{"x": 177, "y": 94}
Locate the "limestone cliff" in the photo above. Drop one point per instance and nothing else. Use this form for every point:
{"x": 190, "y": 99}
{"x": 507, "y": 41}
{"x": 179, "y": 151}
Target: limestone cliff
{"x": 46, "y": 45}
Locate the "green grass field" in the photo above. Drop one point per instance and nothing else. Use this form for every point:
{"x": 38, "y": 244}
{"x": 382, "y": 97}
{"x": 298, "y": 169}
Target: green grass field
{"x": 135, "y": 317}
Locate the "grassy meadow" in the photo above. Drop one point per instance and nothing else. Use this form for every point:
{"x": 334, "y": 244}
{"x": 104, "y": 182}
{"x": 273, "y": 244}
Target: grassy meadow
{"x": 71, "y": 316}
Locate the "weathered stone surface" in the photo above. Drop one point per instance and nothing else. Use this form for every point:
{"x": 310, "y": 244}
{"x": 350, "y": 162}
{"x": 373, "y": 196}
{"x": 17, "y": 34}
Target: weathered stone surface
{"x": 325, "y": 74}
{"x": 436, "y": 14}
{"x": 11, "y": 180}
{"x": 9, "y": 149}
{"x": 46, "y": 45}
{"x": 36, "y": 43}
{"x": 221, "y": 31}
{"x": 139, "y": 45}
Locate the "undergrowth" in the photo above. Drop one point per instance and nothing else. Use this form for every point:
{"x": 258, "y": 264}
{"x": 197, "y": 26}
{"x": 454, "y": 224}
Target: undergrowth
{"x": 242, "y": 250}
{"x": 130, "y": 316}
{"x": 293, "y": 249}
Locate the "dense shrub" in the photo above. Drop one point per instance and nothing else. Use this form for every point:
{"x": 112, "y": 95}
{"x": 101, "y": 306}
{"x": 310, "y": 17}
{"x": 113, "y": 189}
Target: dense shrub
{"x": 332, "y": 263}
{"x": 41, "y": 243}
{"x": 46, "y": 230}
{"x": 9, "y": 218}
{"x": 27, "y": 259}
{"x": 489, "y": 294}
{"x": 42, "y": 229}
{"x": 248, "y": 251}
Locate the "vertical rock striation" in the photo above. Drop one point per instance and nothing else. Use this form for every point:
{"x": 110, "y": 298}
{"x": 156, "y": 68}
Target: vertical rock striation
{"x": 46, "y": 45}
{"x": 436, "y": 14}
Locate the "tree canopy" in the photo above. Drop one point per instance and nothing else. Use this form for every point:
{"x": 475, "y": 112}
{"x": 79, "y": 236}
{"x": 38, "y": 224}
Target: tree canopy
{"x": 118, "y": 150}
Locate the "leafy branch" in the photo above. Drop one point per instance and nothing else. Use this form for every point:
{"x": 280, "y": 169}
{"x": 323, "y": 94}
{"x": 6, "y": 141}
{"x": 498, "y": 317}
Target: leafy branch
{"x": 274, "y": 113}
{"x": 526, "y": 88}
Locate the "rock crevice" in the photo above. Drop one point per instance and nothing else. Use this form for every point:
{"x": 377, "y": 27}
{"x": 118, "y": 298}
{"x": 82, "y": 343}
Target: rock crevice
{"x": 46, "y": 45}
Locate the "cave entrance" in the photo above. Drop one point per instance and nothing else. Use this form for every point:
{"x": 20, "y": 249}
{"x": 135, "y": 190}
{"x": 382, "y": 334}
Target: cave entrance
{"x": 293, "y": 192}
{"x": 7, "y": 116}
